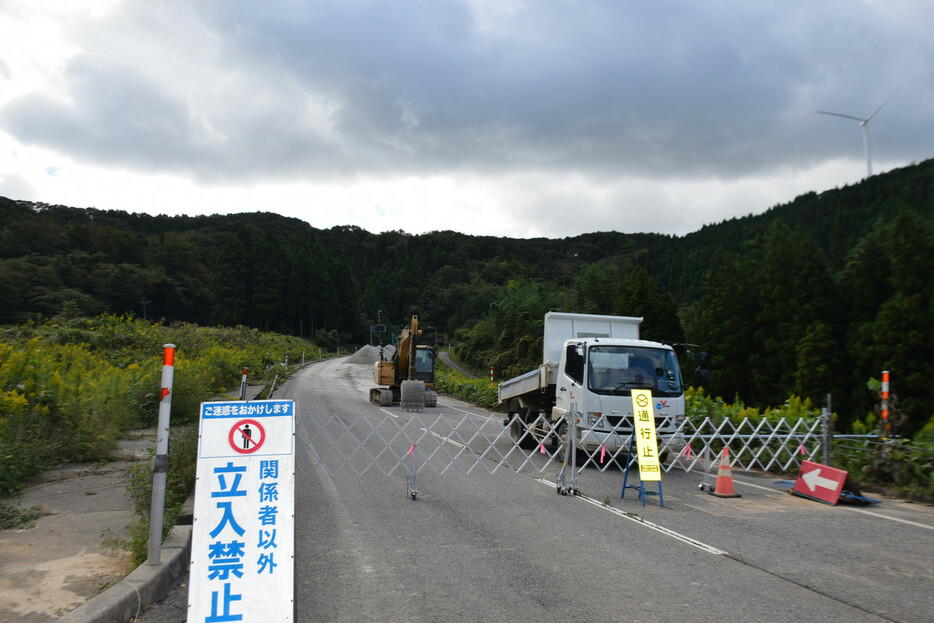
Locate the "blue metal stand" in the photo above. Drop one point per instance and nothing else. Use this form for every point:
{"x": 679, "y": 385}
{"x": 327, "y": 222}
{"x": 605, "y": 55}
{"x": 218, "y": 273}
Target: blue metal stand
{"x": 641, "y": 486}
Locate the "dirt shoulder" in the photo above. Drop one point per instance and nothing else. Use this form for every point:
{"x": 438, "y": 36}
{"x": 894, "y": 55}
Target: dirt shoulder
{"x": 60, "y": 562}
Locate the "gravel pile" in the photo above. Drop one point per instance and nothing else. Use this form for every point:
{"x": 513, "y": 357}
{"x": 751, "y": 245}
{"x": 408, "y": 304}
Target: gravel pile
{"x": 368, "y": 355}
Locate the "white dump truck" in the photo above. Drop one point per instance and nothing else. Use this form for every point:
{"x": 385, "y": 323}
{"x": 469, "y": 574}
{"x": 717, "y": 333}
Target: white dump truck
{"x": 593, "y": 362}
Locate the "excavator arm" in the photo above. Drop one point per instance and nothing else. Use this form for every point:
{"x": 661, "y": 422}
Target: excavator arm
{"x": 405, "y": 352}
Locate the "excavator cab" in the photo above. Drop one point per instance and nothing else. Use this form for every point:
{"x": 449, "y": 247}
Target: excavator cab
{"x": 425, "y": 365}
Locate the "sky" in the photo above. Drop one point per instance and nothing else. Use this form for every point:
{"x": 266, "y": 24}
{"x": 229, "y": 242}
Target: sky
{"x": 518, "y": 118}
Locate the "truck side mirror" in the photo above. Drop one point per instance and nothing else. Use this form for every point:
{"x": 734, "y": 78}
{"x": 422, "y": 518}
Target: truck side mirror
{"x": 703, "y": 367}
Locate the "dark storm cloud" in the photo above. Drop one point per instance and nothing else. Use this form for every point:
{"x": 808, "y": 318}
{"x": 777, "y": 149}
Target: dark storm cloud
{"x": 114, "y": 114}
{"x": 656, "y": 89}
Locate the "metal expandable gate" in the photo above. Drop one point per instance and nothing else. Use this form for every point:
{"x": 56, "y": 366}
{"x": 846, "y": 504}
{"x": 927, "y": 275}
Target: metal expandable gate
{"x": 409, "y": 443}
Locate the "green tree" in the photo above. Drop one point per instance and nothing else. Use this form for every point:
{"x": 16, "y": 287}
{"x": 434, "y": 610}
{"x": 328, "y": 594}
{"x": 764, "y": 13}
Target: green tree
{"x": 638, "y": 295}
{"x": 725, "y": 326}
{"x": 597, "y": 287}
{"x": 896, "y": 331}
{"x": 817, "y": 366}
{"x": 794, "y": 291}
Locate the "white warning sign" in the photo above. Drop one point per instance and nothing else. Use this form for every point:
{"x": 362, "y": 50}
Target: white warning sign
{"x": 242, "y": 550}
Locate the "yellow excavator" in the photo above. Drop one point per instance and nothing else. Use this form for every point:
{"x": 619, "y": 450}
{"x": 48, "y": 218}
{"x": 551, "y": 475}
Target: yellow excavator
{"x": 408, "y": 378}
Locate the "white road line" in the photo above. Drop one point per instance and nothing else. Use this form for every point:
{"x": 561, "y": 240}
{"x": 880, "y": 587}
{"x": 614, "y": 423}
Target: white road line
{"x": 749, "y": 484}
{"x": 710, "y": 549}
{"x": 850, "y": 508}
{"x": 438, "y": 436}
{"x": 443, "y": 438}
{"x": 471, "y": 413}
{"x": 905, "y": 521}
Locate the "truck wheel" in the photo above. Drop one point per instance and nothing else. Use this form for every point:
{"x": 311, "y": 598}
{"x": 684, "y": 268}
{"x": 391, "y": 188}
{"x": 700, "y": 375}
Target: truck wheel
{"x": 559, "y": 439}
{"x": 521, "y": 433}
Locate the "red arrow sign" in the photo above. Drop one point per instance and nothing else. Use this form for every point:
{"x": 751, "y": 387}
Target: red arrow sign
{"x": 820, "y": 482}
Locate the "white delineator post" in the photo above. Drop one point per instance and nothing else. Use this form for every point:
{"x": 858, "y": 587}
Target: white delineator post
{"x": 160, "y": 462}
{"x": 885, "y": 404}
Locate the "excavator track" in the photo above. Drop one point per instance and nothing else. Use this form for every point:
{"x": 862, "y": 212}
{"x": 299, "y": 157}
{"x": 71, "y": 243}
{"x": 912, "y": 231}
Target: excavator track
{"x": 381, "y": 396}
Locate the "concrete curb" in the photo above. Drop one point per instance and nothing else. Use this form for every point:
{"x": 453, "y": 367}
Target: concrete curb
{"x": 146, "y": 585}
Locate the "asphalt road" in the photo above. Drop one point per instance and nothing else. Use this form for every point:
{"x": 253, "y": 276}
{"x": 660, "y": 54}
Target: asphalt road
{"x": 507, "y": 547}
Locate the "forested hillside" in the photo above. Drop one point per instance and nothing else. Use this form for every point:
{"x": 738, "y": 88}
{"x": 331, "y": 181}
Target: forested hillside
{"x": 811, "y": 297}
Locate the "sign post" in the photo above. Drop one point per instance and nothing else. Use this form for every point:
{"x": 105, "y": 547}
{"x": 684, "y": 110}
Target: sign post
{"x": 242, "y": 550}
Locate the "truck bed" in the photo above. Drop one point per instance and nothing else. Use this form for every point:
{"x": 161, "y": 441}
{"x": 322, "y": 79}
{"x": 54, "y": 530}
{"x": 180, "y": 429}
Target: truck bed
{"x": 534, "y": 380}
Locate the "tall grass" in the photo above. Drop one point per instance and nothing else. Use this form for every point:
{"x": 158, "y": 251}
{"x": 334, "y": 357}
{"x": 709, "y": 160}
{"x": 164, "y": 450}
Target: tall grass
{"x": 699, "y": 406}
{"x": 476, "y": 391}
{"x": 70, "y": 387}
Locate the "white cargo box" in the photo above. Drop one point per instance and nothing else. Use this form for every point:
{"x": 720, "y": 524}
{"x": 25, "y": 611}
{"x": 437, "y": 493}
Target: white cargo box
{"x": 561, "y": 326}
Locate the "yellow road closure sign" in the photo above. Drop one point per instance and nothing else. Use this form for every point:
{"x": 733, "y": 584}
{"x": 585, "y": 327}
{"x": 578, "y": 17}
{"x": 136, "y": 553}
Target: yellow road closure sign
{"x": 644, "y": 429}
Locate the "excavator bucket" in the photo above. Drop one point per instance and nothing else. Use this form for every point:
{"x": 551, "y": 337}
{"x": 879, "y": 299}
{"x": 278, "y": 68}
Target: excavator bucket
{"x": 413, "y": 396}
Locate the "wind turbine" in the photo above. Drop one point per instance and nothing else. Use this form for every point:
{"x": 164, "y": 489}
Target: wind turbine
{"x": 864, "y": 124}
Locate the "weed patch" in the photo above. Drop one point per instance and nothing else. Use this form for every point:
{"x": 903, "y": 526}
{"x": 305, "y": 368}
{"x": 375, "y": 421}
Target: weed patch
{"x": 18, "y": 518}
{"x": 475, "y": 391}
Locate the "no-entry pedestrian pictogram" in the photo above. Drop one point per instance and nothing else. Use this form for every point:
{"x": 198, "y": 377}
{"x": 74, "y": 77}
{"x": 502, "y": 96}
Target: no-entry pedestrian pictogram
{"x": 246, "y": 436}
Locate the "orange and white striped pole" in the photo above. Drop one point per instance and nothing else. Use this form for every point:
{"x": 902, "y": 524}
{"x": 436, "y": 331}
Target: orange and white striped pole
{"x": 160, "y": 462}
{"x": 491, "y": 376}
{"x": 885, "y": 403}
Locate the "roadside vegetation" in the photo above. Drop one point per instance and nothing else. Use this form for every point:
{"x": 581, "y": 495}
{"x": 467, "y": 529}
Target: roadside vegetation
{"x": 179, "y": 483}
{"x": 478, "y": 391}
{"x": 72, "y": 386}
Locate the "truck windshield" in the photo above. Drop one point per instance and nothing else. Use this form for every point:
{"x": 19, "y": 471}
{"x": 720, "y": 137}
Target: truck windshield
{"x": 615, "y": 370}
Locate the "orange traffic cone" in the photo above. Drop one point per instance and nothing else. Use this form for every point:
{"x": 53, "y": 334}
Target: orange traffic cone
{"x": 724, "y": 487}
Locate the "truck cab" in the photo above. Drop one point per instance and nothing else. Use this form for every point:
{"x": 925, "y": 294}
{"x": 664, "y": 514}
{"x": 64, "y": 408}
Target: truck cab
{"x": 595, "y": 378}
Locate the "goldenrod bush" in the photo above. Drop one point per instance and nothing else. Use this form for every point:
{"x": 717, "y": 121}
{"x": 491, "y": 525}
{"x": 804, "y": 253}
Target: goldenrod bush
{"x": 70, "y": 387}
